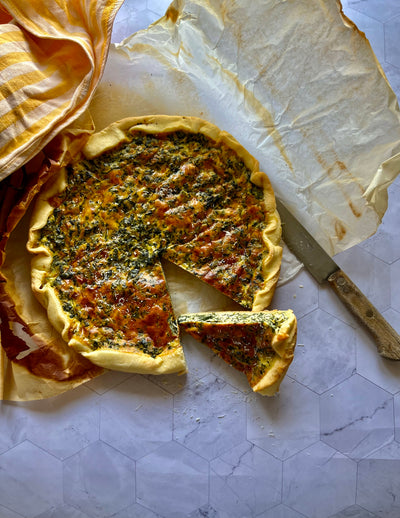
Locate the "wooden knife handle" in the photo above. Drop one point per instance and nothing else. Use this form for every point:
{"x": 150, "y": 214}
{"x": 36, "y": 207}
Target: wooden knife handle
{"x": 386, "y": 338}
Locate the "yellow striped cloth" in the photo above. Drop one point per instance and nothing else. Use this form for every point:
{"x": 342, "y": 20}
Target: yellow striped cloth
{"x": 52, "y": 55}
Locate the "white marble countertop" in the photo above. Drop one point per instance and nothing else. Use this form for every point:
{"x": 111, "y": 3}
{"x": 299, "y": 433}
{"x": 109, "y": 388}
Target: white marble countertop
{"x": 202, "y": 445}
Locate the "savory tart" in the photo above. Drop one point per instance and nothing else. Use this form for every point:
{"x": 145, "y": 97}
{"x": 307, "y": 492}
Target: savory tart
{"x": 259, "y": 344}
{"x": 145, "y": 189}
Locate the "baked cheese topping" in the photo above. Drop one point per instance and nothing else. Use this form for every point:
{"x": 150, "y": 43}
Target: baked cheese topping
{"x": 179, "y": 196}
{"x": 259, "y": 344}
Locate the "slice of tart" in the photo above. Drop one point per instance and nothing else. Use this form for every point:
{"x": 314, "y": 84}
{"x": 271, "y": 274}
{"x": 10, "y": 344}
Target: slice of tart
{"x": 259, "y": 344}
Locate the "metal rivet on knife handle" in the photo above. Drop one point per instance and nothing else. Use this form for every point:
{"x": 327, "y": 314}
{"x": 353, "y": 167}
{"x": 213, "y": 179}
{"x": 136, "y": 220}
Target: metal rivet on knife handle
{"x": 386, "y": 338}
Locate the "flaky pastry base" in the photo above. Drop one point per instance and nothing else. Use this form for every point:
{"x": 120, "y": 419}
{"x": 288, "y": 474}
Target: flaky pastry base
{"x": 283, "y": 342}
{"x": 105, "y": 140}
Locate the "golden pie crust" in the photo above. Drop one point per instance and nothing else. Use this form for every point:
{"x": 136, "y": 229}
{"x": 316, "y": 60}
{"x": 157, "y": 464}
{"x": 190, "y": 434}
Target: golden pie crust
{"x": 247, "y": 273}
{"x": 259, "y": 344}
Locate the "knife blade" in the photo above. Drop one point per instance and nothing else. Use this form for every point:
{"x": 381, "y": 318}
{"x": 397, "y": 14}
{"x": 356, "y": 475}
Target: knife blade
{"x": 325, "y": 270}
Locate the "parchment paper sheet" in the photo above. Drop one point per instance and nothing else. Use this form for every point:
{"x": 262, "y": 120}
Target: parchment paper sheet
{"x": 296, "y": 83}
{"x": 293, "y": 80}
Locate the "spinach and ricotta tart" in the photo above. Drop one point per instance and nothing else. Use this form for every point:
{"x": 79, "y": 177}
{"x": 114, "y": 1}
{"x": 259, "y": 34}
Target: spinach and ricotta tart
{"x": 259, "y": 344}
{"x": 146, "y": 189}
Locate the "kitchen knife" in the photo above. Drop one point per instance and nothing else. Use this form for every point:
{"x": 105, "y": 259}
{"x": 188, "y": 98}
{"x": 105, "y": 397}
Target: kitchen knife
{"x": 324, "y": 269}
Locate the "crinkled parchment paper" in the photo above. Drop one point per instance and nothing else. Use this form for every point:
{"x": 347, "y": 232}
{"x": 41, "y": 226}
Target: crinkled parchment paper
{"x": 295, "y": 82}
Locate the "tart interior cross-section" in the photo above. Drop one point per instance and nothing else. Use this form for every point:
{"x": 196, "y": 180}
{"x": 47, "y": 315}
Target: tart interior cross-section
{"x": 146, "y": 189}
{"x": 259, "y": 344}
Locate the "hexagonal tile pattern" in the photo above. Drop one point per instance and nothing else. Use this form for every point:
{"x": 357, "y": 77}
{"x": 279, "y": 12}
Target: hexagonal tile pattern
{"x": 381, "y": 371}
{"x": 203, "y": 445}
{"x": 8, "y": 513}
{"x": 132, "y": 17}
{"x": 30, "y": 480}
{"x": 356, "y": 417}
{"x": 71, "y": 422}
{"x": 312, "y": 366}
{"x": 206, "y": 511}
{"x": 285, "y": 424}
{"x": 171, "y": 383}
{"x": 99, "y": 480}
{"x": 376, "y": 9}
{"x": 128, "y": 408}
{"x": 136, "y": 511}
{"x": 198, "y": 359}
{"x": 309, "y": 477}
{"x": 172, "y": 481}
{"x": 379, "y": 482}
{"x": 393, "y": 317}
{"x": 354, "y": 511}
{"x": 373, "y": 279}
{"x": 234, "y": 377}
{"x": 209, "y": 417}
{"x": 300, "y": 295}
{"x": 395, "y": 276}
{"x": 63, "y": 511}
{"x": 281, "y": 511}
{"x": 397, "y": 417}
{"x": 13, "y": 424}
{"x": 108, "y": 380}
{"x": 157, "y": 6}
{"x": 372, "y": 28}
{"x": 330, "y": 302}
{"x": 392, "y": 28}
{"x": 380, "y": 244}
{"x": 240, "y": 483}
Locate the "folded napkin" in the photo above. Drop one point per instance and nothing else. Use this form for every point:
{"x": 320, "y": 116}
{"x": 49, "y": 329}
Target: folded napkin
{"x": 52, "y": 55}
